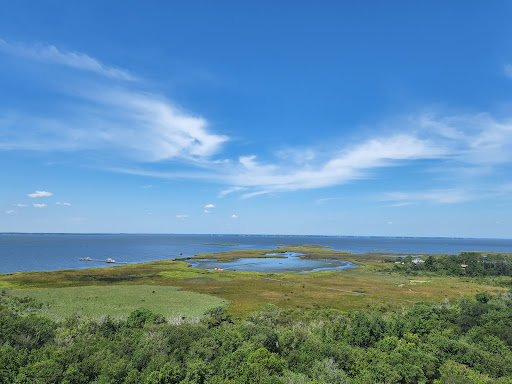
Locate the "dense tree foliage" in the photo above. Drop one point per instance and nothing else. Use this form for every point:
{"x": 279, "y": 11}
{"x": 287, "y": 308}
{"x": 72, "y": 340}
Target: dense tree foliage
{"x": 473, "y": 264}
{"x": 465, "y": 342}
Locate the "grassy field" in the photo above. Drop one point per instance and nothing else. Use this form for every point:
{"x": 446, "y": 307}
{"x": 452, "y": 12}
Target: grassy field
{"x": 357, "y": 288}
{"x": 120, "y": 300}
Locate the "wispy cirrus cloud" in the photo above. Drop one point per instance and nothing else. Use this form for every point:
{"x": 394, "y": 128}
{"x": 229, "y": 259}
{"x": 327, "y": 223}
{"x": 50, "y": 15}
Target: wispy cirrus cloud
{"x": 478, "y": 139}
{"x": 134, "y": 125}
{"x": 229, "y": 190}
{"x": 120, "y": 119}
{"x": 350, "y": 164}
{"x": 78, "y": 60}
{"x": 470, "y": 146}
{"x": 460, "y": 146}
{"x": 63, "y": 204}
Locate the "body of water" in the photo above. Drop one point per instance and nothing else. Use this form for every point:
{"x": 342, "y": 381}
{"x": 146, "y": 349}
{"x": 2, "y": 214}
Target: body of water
{"x": 48, "y": 252}
{"x": 287, "y": 262}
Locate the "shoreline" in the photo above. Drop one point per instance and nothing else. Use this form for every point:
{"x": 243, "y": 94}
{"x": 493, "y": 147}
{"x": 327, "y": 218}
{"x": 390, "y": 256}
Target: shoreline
{"x": 31, "y": 252}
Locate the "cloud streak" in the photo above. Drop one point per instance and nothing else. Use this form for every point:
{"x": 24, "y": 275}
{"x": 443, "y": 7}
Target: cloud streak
{"x": 115, "y": 117}
{"x": 133, "y": 125}
{"x": 348, "y": 165}
{"x": 77, "y": 60}
{"x": 123, "y": 120}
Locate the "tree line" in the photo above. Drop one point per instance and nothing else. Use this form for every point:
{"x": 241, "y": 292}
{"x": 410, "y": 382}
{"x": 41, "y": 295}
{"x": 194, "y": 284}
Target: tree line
{"x": 473, "y": 264}
{"x": 468, "y": 341}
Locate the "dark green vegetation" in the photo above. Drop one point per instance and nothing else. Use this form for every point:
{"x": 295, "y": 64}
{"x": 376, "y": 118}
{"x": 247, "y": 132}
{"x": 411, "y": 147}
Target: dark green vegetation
{"x": 468, "y": 341}
{"x": 472, "y": 264}
{"x": 379, "y": 323}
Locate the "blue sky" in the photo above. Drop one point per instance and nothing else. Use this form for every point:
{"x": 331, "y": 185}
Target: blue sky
{"x": 269, "y": 117}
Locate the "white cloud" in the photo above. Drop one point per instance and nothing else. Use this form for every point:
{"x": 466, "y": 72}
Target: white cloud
{"x": 20, "y": 205}
{"x": 103, "y": 116}
{"x": 51, "y": 54}
{"x": 347, "y": 165}
{"x": 65, "y": 204}
{"x": 8, "y": 212}
{"x": 390, "y": 223}
{"x": 151, "y": 127}
{"x": 209, "y": 206}
{"x": 181, "y": 216}
{"x": 234, "y": 216}
{"x": 478, "y": 139}
{"x": 40, "y": 194}
{"x": 462, "y": 142}
{"x": 257, "y": 193}
{"x": 459, "y": 146}
{"x": 207, "y": 211}
{"x": 39, "y": 205}
{"x": 149, "y": 186}
{"x": 128, "y": 122}
{"x": 125, "y": 123}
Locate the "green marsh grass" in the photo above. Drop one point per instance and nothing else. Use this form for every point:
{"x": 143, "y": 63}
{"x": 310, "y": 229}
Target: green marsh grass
{"x": 246, "y": 291}
{"x": 120, "y": 300}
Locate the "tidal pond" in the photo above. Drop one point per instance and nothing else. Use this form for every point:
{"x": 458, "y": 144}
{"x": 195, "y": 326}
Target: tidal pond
{"x": 289, "y": 262}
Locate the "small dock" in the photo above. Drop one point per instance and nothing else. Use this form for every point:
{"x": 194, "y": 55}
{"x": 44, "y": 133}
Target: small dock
{"x": 108, "y": 261}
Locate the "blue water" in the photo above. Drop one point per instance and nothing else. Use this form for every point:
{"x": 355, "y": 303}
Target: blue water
{"x": 48, "y": 252}
{"x": 288, "y": 262}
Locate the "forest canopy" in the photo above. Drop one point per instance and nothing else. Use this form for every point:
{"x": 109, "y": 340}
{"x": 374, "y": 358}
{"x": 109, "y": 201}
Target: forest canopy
{"x": 468, "y": 341}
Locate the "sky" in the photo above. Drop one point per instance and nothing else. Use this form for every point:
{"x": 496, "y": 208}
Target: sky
{"x": 364, "y": 118}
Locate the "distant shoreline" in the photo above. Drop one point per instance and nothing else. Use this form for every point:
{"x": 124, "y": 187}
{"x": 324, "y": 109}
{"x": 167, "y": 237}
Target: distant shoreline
{"x": 51, "y": 252}
{"x": 246, "y": 235}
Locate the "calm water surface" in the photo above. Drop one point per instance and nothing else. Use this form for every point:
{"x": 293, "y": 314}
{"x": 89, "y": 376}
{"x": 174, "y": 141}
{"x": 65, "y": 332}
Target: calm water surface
{"x": 48, "y": 252}
{"x": 290, "y": 262}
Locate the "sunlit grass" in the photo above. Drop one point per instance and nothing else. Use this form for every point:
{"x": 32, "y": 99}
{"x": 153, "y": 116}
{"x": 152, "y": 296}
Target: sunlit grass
{"x": 120, "y": 300}
{"x": 247, "y": 291}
